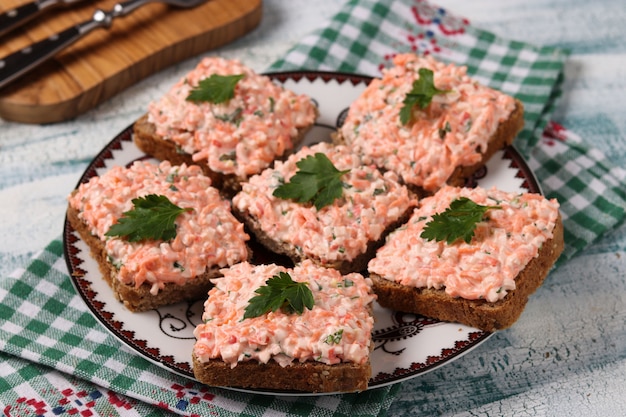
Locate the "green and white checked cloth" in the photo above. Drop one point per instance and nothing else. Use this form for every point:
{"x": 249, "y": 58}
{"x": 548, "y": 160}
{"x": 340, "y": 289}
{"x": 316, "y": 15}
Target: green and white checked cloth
{"x": 365, "y": 35}
{"x": 56, "y": 359}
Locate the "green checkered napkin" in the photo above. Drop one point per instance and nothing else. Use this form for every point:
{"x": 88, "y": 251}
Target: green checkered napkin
{"x": 47, "y": 325}
{"x": 57, "y": 359}
{"x": 365, "y": 35}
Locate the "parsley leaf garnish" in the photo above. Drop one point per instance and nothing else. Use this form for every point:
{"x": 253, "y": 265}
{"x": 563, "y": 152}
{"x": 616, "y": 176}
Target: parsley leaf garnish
{"x": 215, "y": 89}
{"x": 457, "y": 221}
{"x": 282, "y": 292}
{"x": 152, "y": 217}
{"x": 317, "y": 181}
{"x": 421, "y": 95}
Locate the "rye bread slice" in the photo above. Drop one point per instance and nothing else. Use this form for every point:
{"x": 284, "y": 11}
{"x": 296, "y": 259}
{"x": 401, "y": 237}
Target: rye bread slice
{"x": 435, "y": 303}
{"x": 149, "y": 142}
{"x": 138, "y": 299}
{"x": 303, "y": 377}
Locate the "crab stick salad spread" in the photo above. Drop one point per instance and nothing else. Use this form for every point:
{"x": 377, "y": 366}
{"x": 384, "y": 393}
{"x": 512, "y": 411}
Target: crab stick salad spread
{"x": 240, "y": 136}
{"x": 503, "y": 243}
{"x": 452, "y": 131}
{"x": 207, "y": 236}
{"x": 371, "y": 201}
{"x": 337, "y": 329}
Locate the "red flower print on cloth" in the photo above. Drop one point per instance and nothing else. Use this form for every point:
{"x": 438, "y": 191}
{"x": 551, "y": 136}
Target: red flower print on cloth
{"x": 427, "y": 14}
{"x": 554, "y": 131}
{"x": 432, "y": 26}
{"x": 72, "y": 403}
{"x": 189, "y": 393}
{"x": 424, "y": 42}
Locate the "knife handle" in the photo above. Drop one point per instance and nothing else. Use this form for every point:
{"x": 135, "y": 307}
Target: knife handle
{"x": 18, "y": 63}
{"x": 15, "y": 17}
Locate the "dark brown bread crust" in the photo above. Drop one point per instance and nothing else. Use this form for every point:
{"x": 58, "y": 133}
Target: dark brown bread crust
{"x": 504, "y": 136}
{"x": 152, "y": 144}
{"x": 140, "y": 299}
{"x": 302, "y": 377}
{"x": 359, "y": 264}
{"x": 476, "y": 313}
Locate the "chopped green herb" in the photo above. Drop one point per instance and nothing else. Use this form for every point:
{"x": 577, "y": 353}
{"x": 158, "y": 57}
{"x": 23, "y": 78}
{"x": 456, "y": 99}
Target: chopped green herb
{"x": 171, "y": 177}
{"x": 235, "y": 117}
{"x": 153, "y": 217}
{"x": 230, "y": 156}
{"x": 346, "y": 283}
{"x": 445, "y": 130}
{"x": 317, "y": 181}
{"x": 335, "y": 338}
{"x": 280, "y": 292}
{"x": 215, "y": 89}
{"x": 421, "y": 95}
{"x": 457, "y": 221}
{"x": 116, "y": 263}
{"x": 468, "y": 125}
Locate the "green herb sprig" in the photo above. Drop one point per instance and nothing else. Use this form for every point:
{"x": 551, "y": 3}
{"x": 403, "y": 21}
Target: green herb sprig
{"x": 215, "y": 89}
{"x": 153, "y": 217}
{"x": 280, "y": 292}
{"x": 457, "y": 221}
{"x": 317, "y": 181}
{"x": 421, "y": 95}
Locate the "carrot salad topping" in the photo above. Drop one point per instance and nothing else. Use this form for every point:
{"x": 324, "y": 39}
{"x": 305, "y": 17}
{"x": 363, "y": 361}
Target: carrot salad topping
{"x": 241, "y": 135}
{"x": 371, "y": 201}
{"x": 207, "y": 236}
{"x": 452, "y": 131}
{"x": 337, "y": 329}
{"x": 503, "y": 243}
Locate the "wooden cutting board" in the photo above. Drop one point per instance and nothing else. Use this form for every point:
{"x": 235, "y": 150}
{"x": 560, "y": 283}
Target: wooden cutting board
{"x": 106, "y": 62}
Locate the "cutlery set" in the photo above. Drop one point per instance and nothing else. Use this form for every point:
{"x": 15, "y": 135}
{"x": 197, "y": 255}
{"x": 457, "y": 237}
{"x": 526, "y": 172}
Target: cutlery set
{"x": 17, "y": 64}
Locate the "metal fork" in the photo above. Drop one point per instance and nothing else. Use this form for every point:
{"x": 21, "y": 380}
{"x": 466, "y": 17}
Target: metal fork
{"x": 19, "y": 63}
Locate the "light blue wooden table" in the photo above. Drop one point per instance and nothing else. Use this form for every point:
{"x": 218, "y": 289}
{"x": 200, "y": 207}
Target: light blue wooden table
{"x": 566, "y": 356}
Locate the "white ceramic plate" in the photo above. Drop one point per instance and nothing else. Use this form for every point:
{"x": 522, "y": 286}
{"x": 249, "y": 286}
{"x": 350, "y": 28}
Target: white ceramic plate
{"x": 406, "y": 345}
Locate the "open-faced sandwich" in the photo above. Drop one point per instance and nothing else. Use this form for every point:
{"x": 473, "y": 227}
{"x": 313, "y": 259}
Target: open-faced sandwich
{"x": 306, "y": 328}
{"x": 226, "y": 118}
{"x": 158, "y": 232}
{"x": 469, "y": 255}
{"x": 323, "y": 203}
{"x": 430, "y": 123}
